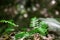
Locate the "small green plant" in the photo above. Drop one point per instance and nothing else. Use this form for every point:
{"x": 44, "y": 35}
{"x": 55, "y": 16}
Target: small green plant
{"x": 38, "y": 27}
{"x": 9, "y": 28}
{"x": 8, "y": 22}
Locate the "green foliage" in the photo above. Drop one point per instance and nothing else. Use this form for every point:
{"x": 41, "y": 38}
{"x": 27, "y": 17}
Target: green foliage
{"x": 41, "y": 28}
{"x": 9, "y": 28}
{"x": 33, "y": 22}
{"x": 21, "y": 35}
{"x": 8, "y": 22}
{"x": 38, "y": 27}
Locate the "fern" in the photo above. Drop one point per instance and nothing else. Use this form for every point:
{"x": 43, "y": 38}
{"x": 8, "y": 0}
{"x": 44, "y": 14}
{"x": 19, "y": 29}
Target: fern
{"x": 8, "y": 22}
{"x": 33, "y": 22}
{"x": 9, "y": 28}
{"x": 38, "y": 27}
